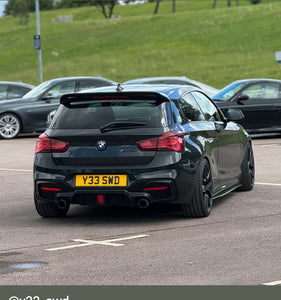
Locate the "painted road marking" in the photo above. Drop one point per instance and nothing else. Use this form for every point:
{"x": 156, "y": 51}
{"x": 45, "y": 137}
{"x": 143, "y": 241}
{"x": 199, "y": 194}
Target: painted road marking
{"x": 272, "y": 283}
{"x": 15, "y": 170}
{"x": 270, "y": 145}
{"x": 264, "y": 183}
{"x": 84, "y": 243}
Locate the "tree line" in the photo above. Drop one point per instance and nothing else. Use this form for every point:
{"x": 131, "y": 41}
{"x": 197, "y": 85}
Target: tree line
{"x": 21, "y": 8}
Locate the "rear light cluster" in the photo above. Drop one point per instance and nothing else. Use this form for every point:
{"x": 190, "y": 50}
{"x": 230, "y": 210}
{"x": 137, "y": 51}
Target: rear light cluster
{"x": 47, "y": 145}
{"x": 168, "y": 141}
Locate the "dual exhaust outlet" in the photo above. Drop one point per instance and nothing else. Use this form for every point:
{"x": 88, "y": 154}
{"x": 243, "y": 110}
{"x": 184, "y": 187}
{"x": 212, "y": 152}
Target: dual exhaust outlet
{"x": 63, "y": 203}
{"x": 143, "y": 203}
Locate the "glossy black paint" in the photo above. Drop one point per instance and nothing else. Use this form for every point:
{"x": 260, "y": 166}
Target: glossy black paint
{"x": 32, "y": 111}
{"x": 262, "y": 109}
{"x": 222, "y": 143}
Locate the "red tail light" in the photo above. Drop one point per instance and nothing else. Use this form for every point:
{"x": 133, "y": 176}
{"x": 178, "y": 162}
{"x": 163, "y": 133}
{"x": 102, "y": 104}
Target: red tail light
{"x": 155, "y": 188}
{"x": 50, "y": 189}
{"x": 173, "y": 141}
{"x": 47, "y": 145}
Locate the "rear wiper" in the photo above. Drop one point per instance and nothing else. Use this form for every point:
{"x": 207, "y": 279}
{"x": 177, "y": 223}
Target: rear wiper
{"x": 120, "y": 125}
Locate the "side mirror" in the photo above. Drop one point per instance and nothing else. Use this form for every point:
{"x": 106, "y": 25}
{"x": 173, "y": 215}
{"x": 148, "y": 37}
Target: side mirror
{"x": 235, "y": 114}
{"x": 47, "y": 96}
{"x": 242, "y": 98}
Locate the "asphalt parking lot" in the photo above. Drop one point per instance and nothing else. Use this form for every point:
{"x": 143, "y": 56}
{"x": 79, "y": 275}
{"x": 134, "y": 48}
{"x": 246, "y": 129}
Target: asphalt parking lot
{"x": 238, "y": 244}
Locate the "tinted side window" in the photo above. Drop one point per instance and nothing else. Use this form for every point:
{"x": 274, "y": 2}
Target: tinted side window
{"x": 190, "y": 108}
{"x": 91, "y": 83}
{"x": 207, "y": 106}
{"x": 16, "y": 92}
{"x": 63, "y": 88}
{"x": 176, "y": 114}
{"x": 262, "y": 91}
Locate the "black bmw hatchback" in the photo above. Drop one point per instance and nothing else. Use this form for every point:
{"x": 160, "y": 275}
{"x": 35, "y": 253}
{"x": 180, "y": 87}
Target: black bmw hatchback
{"x": 140, "y": 145}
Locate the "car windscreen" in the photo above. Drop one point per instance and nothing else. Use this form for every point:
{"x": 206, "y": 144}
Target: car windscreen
{"x": 230, "y": 90}
{"x": 112, "y": 115}
{"x": 38, "y": 90}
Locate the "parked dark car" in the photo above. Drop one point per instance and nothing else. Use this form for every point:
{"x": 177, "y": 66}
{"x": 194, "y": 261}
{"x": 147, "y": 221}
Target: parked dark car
{"x": 11, "y": 90}
{"x": 258, "y": 99}
{"x": 29, "y": 113}
{"x": 140, "y": 145}
{"x": 181, "y": 80}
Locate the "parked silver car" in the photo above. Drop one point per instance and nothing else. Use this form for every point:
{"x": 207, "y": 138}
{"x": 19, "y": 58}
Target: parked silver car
{"x": 180, "y": 80}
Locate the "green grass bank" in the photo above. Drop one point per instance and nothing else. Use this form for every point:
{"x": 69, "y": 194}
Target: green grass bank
{"x": 215, "y": 46}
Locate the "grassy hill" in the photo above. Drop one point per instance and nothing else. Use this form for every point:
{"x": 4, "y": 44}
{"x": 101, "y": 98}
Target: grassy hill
{"x": 215, "y": 46}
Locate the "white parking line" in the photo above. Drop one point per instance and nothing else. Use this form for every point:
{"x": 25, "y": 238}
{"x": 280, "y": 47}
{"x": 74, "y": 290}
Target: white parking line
{"x": 272, "y": 283}
{"x": 15, "y": 170}
{"x": 105, "y": 243}
{"x": 270, "y": 145}
{"x": 267, "y": 183}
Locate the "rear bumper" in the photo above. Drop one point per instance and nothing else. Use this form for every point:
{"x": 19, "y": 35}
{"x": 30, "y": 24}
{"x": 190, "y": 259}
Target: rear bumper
{"x": 145, "y": 191}
{"x": 169, "y": 183}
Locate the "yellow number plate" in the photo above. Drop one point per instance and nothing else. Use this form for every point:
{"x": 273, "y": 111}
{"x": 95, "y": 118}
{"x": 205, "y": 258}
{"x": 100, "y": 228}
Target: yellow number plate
{"x": 101, "y": 180}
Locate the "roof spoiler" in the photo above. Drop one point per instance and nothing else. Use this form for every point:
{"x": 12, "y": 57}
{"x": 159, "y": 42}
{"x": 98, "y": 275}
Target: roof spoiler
{"x": 77, "y": 99}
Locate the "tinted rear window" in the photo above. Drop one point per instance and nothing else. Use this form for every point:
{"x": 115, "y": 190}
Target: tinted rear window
{"x": 95, "y": 115}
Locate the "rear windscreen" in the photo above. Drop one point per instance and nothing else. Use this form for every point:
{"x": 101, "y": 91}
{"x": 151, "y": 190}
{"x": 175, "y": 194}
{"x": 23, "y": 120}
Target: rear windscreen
{"x": 97, "y": 115}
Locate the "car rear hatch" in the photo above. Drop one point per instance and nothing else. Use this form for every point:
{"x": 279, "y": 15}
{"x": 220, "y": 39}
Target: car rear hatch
{"x": 108, "y": 129}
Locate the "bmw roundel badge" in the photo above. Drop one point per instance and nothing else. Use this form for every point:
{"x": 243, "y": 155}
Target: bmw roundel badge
{"x": 101, "y": 145}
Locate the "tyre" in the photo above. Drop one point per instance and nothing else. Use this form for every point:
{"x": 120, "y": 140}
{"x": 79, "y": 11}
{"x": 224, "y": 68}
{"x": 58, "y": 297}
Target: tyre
{"x": 202, "y": 201}
{"x": 248, "y": 170}
{"x": 50, "y": 210}
{"x": 10, "y": 126}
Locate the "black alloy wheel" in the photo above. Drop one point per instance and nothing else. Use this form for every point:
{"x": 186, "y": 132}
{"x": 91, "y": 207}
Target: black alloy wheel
{"x": 248, "y": 170}
{"x": 202, "y": 201}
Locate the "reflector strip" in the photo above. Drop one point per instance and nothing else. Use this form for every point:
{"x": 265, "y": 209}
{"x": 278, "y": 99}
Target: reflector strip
{"x": 50, "y": 189}
{"x": 100, "y": 199}
{"x": 156, "y": 188}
